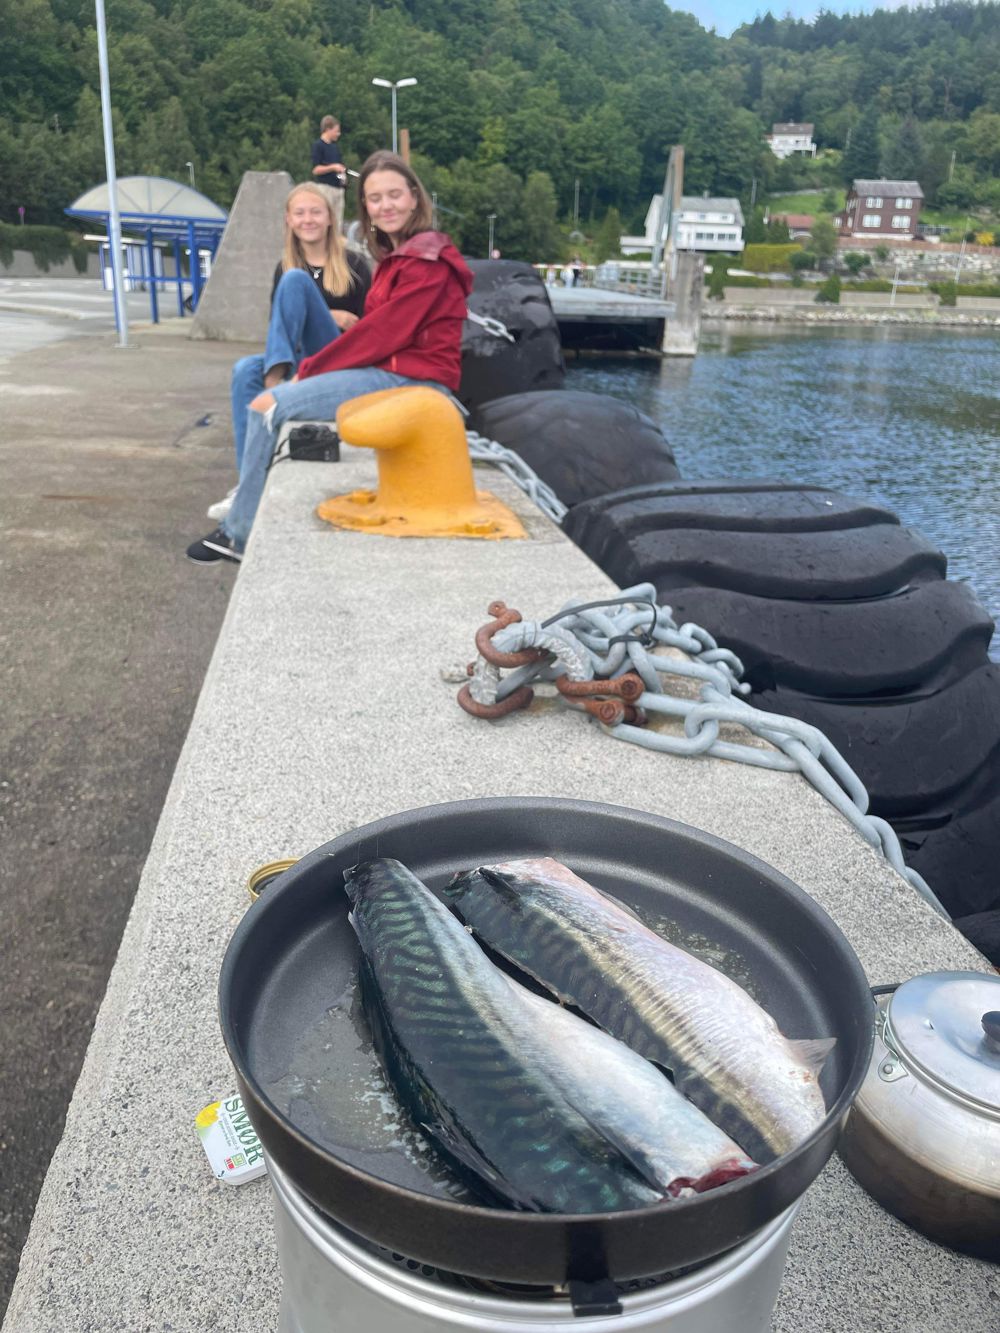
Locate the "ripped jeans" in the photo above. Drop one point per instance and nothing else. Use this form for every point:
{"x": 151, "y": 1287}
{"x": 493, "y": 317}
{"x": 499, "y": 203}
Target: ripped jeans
{"x": 314, "y": 399}
{"x": 300, "y": 325}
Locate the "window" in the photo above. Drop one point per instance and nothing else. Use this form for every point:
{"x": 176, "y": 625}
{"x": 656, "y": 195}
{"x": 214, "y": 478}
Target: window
{"x": 901, "y": 221}
{"x": 872, "y": 220}
{"x": 904, "y": 203}
{"x": 873, "y": 202}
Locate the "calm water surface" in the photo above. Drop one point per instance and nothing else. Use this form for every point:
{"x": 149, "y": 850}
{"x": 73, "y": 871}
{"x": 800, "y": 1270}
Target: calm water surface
{"x": 909, "y": 418}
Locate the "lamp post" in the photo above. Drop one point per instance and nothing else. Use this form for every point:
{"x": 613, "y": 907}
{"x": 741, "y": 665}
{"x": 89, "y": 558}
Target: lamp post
{"x": 961, "y": 253}
{"x": 490, "y": 218}
{"x": 114, "y": 220}
{"x": 190, "y": 167}
{"x": 388, "y": 83}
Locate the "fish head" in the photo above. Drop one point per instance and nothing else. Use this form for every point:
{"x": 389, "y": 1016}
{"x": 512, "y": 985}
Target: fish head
{"x": 484, "y": 884}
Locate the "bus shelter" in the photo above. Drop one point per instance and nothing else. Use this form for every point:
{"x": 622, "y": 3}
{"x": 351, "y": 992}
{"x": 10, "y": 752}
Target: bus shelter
{"x": 160, "y": 215}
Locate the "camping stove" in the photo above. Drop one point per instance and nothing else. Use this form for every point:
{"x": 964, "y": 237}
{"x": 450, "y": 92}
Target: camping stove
{"x": 336, "y": 1282}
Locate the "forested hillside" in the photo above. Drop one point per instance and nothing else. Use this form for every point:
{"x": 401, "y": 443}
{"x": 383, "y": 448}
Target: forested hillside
{"x": 516, "y": 100}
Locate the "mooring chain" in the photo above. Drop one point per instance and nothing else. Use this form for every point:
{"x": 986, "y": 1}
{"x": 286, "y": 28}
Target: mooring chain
{"x": 483, "y": 450}
{"x": 602, "y": 658}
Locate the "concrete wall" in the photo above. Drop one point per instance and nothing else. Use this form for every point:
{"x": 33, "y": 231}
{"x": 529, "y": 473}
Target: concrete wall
{"x": 884, "y": 301}
{"x": 769, "y": 295}
{"x": 24, "y": 266}
{"x": 235, "y": 304}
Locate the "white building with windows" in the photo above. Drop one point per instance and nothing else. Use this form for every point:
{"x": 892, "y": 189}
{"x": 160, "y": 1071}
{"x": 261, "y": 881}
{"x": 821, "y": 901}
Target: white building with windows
{"x": 699, "y": 224}
{"x": 709, "y": 224}
{"x": 788, "y": 137}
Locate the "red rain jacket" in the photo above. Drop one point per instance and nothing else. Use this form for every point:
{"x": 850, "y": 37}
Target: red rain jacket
{"x": 412, "y": 323}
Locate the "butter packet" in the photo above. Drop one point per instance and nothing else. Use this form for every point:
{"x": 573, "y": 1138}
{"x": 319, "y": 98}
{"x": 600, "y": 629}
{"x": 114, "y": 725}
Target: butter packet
{"x": 230, "y": 1141}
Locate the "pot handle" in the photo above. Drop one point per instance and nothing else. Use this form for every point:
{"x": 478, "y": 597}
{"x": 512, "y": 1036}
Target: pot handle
{"x": 876, "y": 991}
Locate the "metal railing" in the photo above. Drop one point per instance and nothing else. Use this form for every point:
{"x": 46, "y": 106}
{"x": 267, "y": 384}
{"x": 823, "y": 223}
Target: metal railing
{"x": 636, "y": 279}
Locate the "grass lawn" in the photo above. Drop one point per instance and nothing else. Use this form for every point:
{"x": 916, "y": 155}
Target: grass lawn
{"x": 803, "y": 203}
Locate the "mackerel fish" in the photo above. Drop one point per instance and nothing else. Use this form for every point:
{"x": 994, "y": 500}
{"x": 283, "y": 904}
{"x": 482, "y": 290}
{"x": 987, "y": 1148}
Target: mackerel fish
{"x": 722, "y": 1049}
{"x": 534, "y": 1107}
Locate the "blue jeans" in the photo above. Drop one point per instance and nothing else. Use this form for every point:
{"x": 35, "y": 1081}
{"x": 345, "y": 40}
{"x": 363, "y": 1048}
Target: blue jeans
{"x": 300, "y": 325}
{"x": 314, "y": 399}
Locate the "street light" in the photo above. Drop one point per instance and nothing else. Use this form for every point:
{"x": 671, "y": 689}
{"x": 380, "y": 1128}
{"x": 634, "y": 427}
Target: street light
{"x": 388, "y": 83}
{"x": 190, "y": 167}
{"x": 961, "y": 253}
{"x": 490, "y": 218}
{"x": 114, "y": 217}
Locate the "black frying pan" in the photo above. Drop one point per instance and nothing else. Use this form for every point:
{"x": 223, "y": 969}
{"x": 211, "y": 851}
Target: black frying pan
{"x": 294, "y": 955}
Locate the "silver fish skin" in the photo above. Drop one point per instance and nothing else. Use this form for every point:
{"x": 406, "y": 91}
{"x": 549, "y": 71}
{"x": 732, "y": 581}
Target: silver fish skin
{"x": 545, "y": 1111}
{"x": 723, "y": 1050}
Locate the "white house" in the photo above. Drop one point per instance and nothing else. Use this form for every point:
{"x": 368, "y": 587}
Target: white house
{"x": 709, "y": 224}
{"x": 788, "y": 137}
{"x": 699, "y": 224}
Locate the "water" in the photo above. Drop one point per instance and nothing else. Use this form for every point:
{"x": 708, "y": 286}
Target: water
{"x": 906, "y": 417}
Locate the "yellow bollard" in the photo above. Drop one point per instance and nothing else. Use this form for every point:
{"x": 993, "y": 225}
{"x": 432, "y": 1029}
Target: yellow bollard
{"x": 425, "y": 485}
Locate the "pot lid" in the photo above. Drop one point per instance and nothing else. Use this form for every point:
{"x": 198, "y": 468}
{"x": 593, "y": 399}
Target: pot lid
{"x": 946, "y": 1026}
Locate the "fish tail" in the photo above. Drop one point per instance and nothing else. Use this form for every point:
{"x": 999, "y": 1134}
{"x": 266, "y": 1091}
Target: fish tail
{"x": 813, "y": 1051}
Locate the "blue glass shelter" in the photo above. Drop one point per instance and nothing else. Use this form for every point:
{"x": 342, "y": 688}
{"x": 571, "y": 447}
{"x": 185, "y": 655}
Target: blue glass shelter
{"x": 164, "y": 211}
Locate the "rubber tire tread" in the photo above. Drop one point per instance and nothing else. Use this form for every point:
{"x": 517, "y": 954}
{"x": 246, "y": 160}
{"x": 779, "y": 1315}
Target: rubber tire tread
{"x": 492, "y": 367}
{"x": 761, "y": 505}
{"x": 922, "y": 638}
{"x": 582, "y": 444}
{"x": 839, "y": 564}
{"x": 955, "y": 848}
{"x": 914, "y": 752}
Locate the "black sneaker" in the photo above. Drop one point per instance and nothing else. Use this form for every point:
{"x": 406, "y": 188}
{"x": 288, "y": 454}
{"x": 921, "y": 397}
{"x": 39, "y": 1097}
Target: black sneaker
{"x": 218, "y": 545}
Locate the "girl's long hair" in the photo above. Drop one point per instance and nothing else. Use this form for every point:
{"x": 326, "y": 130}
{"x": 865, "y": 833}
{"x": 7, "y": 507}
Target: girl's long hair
{"x": 423, "y": 215}
{"x": 337, "y": 275}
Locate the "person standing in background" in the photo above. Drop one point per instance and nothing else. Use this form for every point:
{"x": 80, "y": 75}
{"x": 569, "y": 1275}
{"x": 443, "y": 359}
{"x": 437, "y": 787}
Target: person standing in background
{"x": 328, "y": 168}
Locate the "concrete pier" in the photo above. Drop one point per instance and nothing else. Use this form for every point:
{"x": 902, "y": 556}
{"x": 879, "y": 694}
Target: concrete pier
{"x": 329, "y": 702}
{"x": 687, "y": 287}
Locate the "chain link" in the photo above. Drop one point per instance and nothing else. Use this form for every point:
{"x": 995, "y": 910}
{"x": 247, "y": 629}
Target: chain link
{"x": 483, "y": 450}
{"x": 621, "y": 634}
{"x": 495, "y": 326}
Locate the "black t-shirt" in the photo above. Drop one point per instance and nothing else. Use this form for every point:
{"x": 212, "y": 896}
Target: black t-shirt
{"x": 353, "y": 299}
{"x": 324, "y": 155}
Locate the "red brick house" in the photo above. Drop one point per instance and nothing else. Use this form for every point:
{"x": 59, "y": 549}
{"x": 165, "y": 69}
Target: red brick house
{"x": 881, "y": 209}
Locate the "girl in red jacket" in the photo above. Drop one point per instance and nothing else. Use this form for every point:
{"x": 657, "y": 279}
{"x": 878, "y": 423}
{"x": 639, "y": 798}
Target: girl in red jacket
{"x": 410, "y": 333}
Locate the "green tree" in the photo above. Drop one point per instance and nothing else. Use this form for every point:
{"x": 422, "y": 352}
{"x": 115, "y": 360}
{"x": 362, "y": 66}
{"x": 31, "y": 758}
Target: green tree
{"x": 904, "y": 157}
{"x": 829, "y": 290}
{"x": 717, "y": 278}
{"x": 823, "y": 239}
{"x": 542, "y": 240}
{"x": 777, "y": 232}
{"x": 856, "y": 261}
{"x": 862, "y": 154}
{"x": 607, "y": 240}
{"x": 755, "y": 232}
{"x": 492, "y": 142}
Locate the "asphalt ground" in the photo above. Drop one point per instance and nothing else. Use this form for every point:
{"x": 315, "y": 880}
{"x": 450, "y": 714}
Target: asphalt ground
{"x": 108, "y": 459}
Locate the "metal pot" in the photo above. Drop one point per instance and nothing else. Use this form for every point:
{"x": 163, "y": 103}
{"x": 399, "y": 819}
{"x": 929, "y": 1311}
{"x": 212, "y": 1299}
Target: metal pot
{"x": 923, "y": 1136}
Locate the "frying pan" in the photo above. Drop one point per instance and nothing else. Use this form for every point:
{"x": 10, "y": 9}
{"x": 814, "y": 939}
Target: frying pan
{"x": 294, "y": 955}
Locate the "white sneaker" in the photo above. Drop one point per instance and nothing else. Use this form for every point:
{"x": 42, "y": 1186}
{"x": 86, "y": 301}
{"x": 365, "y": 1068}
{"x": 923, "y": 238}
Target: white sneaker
{"x": 221, "y": 508}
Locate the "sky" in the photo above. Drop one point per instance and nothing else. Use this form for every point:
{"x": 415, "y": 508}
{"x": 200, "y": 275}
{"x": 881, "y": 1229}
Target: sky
{"x": 725, "y": 15}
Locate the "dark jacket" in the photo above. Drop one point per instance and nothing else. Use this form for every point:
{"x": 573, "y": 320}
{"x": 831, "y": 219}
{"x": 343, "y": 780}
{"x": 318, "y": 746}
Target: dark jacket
{"x": 353, "y": 299}
{"x": 413, "y": 316}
